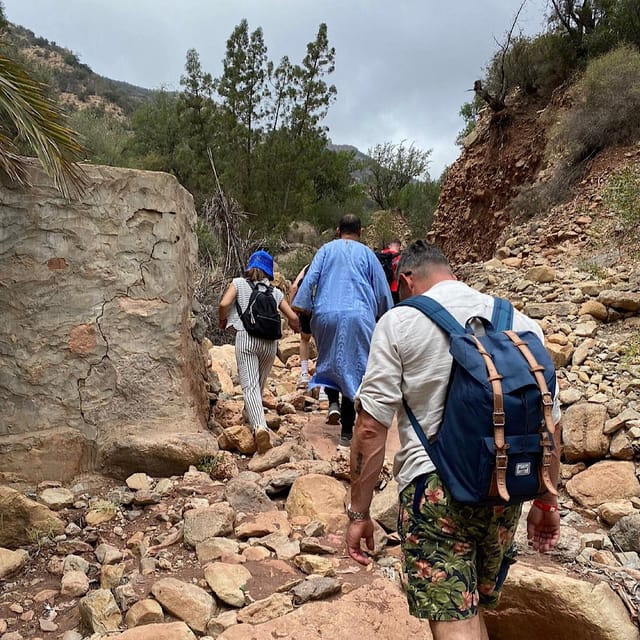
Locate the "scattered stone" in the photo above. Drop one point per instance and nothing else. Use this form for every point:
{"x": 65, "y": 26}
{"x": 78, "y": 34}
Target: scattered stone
{"x": 582, "y": 432}
{"x": 125, "y": 596}
{"x": 611, "y": 512}
{"x": 111, "y": 575}
{"x": 624, "y": 300}
{"x": 238, "y": 438}
{"x": 56, "y": 498}
{"x": 543, "y": 273}
{"x": 261, "y": 611}
{"x": 315, "y": 547}
{"x": 217, "y": 625}
{"x": 100, "y": 512}
{"x": 186, "y": 602}
{"x": 263, "y": 524}
{"x": 215, "y": 548}
{"x": 246, "y": 496}
{"x": 74, "y": 584}
{"x": 619, "y": 421}
{"x": 605, "y": 481}
{"x": 595, "y": 309}
{"x": 46, "y": 625}
{"x": 626, "y": 533}
{"x": 12, "y": 561}
{"x": 139, "y": 481}
{"x": 227, "y": 581}
{"x": 100, "y": 612}
{"x": 167, "y": 631}
{"x": 317, "y": 496}
{"x": 208, "y": 522}
{"x": 315, "y": 588}
{"x": 75, "y": 563}
{"x": 144, "y": 611}
{"x": 317, "y": 565}
{"x": 108, "y": 554}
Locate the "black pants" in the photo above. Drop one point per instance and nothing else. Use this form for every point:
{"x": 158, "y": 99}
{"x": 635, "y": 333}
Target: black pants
{"x": 347, "y": 411}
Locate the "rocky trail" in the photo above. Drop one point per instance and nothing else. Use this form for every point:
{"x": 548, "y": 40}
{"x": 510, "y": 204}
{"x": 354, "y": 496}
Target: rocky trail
{"x": 246, "y": 546}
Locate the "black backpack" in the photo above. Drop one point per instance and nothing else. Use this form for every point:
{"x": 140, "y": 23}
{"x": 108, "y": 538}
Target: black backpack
{"x": 261, "y": 317}
{"x": 386, "y": 259}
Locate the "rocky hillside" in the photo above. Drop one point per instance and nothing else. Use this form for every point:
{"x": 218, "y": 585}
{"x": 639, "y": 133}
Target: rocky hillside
{"x": 75, "y": 84}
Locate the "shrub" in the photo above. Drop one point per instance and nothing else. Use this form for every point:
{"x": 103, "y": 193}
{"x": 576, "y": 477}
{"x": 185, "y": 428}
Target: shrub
{"x": 607, "y": 107}
{"x": 291, "y": 264}
{"x": 622, "y": 195}
{"x": 535, "y": 65}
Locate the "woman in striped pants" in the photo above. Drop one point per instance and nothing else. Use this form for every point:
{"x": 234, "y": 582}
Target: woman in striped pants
{"x": 254, "y": 356}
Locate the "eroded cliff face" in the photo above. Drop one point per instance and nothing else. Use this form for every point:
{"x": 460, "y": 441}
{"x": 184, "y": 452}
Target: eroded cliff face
{"x": 505, "y": 152}
{"x": 95, "y": 341}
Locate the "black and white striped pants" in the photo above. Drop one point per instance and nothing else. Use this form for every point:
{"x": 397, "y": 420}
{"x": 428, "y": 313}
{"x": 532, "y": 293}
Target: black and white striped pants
{"x": 255, "y": 358}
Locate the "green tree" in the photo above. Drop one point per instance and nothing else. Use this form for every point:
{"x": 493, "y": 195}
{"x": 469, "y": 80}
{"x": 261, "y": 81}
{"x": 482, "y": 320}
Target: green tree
{"x": 29, "y": 118}
{"x": 105, "y": 138}
{"x": 418, "y": 201}
{"x": 199, "y": 120}
{"x": 390, "y": 168}
{"x": 469, "y": 112}
{"x": 156, "y": 135}
{"x": 243, "y": 90}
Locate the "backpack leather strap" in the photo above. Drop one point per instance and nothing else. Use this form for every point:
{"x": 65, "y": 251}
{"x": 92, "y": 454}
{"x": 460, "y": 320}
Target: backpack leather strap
{"x": 547, "y": 403}
{"x": 501, "y": 446}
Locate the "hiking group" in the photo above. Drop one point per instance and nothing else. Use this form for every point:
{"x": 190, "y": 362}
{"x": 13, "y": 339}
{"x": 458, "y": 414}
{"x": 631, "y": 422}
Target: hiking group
{"x": 473, "y": 392}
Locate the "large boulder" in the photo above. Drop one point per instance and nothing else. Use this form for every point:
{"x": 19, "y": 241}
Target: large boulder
{"x": 318, "y": 497}
{"x": 377, "y": 610}
{"x": 162, "y": 631}
{"x": 23, "y": 520}
{"x": 547, "y": 603}
{"x": 604, "y": 481}
{"x": 96, "y": 318}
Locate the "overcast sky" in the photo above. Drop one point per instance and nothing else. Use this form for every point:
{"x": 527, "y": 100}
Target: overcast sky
{"x": 403, "y": 67}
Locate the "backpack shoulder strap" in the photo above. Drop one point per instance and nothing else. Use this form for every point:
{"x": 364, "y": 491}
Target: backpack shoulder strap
{"x": 435, "y": 312}
{"x": 251, "y": 297}
{"x": 502, "y": 316}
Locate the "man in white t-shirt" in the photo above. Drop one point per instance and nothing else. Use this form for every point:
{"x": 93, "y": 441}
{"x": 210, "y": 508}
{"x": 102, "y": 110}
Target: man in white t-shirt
{"x": 456, "y": 556}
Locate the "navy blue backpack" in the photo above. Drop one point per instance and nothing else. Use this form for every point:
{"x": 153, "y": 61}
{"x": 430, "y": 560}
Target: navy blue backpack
{"x": 496, "y": 437}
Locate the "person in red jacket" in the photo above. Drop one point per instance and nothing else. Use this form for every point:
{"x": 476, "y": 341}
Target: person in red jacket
{"x": 393, "y": 249}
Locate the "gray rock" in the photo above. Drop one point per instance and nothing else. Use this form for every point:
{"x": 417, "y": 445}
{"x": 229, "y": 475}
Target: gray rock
{"x": 626, "y": 533}
{"x": 625, "y": 300}
{"x": 208, "y": 522}
{"x": 247, "y": 496}
{"x": 315, "y": 589}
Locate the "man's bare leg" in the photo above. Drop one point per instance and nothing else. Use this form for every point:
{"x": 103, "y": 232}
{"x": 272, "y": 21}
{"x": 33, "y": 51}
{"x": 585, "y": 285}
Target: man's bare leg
{"x": 470, "y": 629}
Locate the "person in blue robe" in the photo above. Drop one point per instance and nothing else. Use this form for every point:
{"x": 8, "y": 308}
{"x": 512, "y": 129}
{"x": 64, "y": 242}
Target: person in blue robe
{"x": 346, "y": 291}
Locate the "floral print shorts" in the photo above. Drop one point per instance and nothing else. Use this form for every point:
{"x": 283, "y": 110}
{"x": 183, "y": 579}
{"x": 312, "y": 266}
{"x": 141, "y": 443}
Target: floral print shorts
{"x": 456, "y": 556}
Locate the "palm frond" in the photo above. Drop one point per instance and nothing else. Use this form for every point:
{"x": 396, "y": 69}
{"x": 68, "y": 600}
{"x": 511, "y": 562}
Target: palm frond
{"x": 40, "y": 123}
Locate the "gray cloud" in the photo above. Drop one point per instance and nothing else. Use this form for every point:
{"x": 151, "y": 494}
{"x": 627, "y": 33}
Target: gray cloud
{"x": 403, "y": 67}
